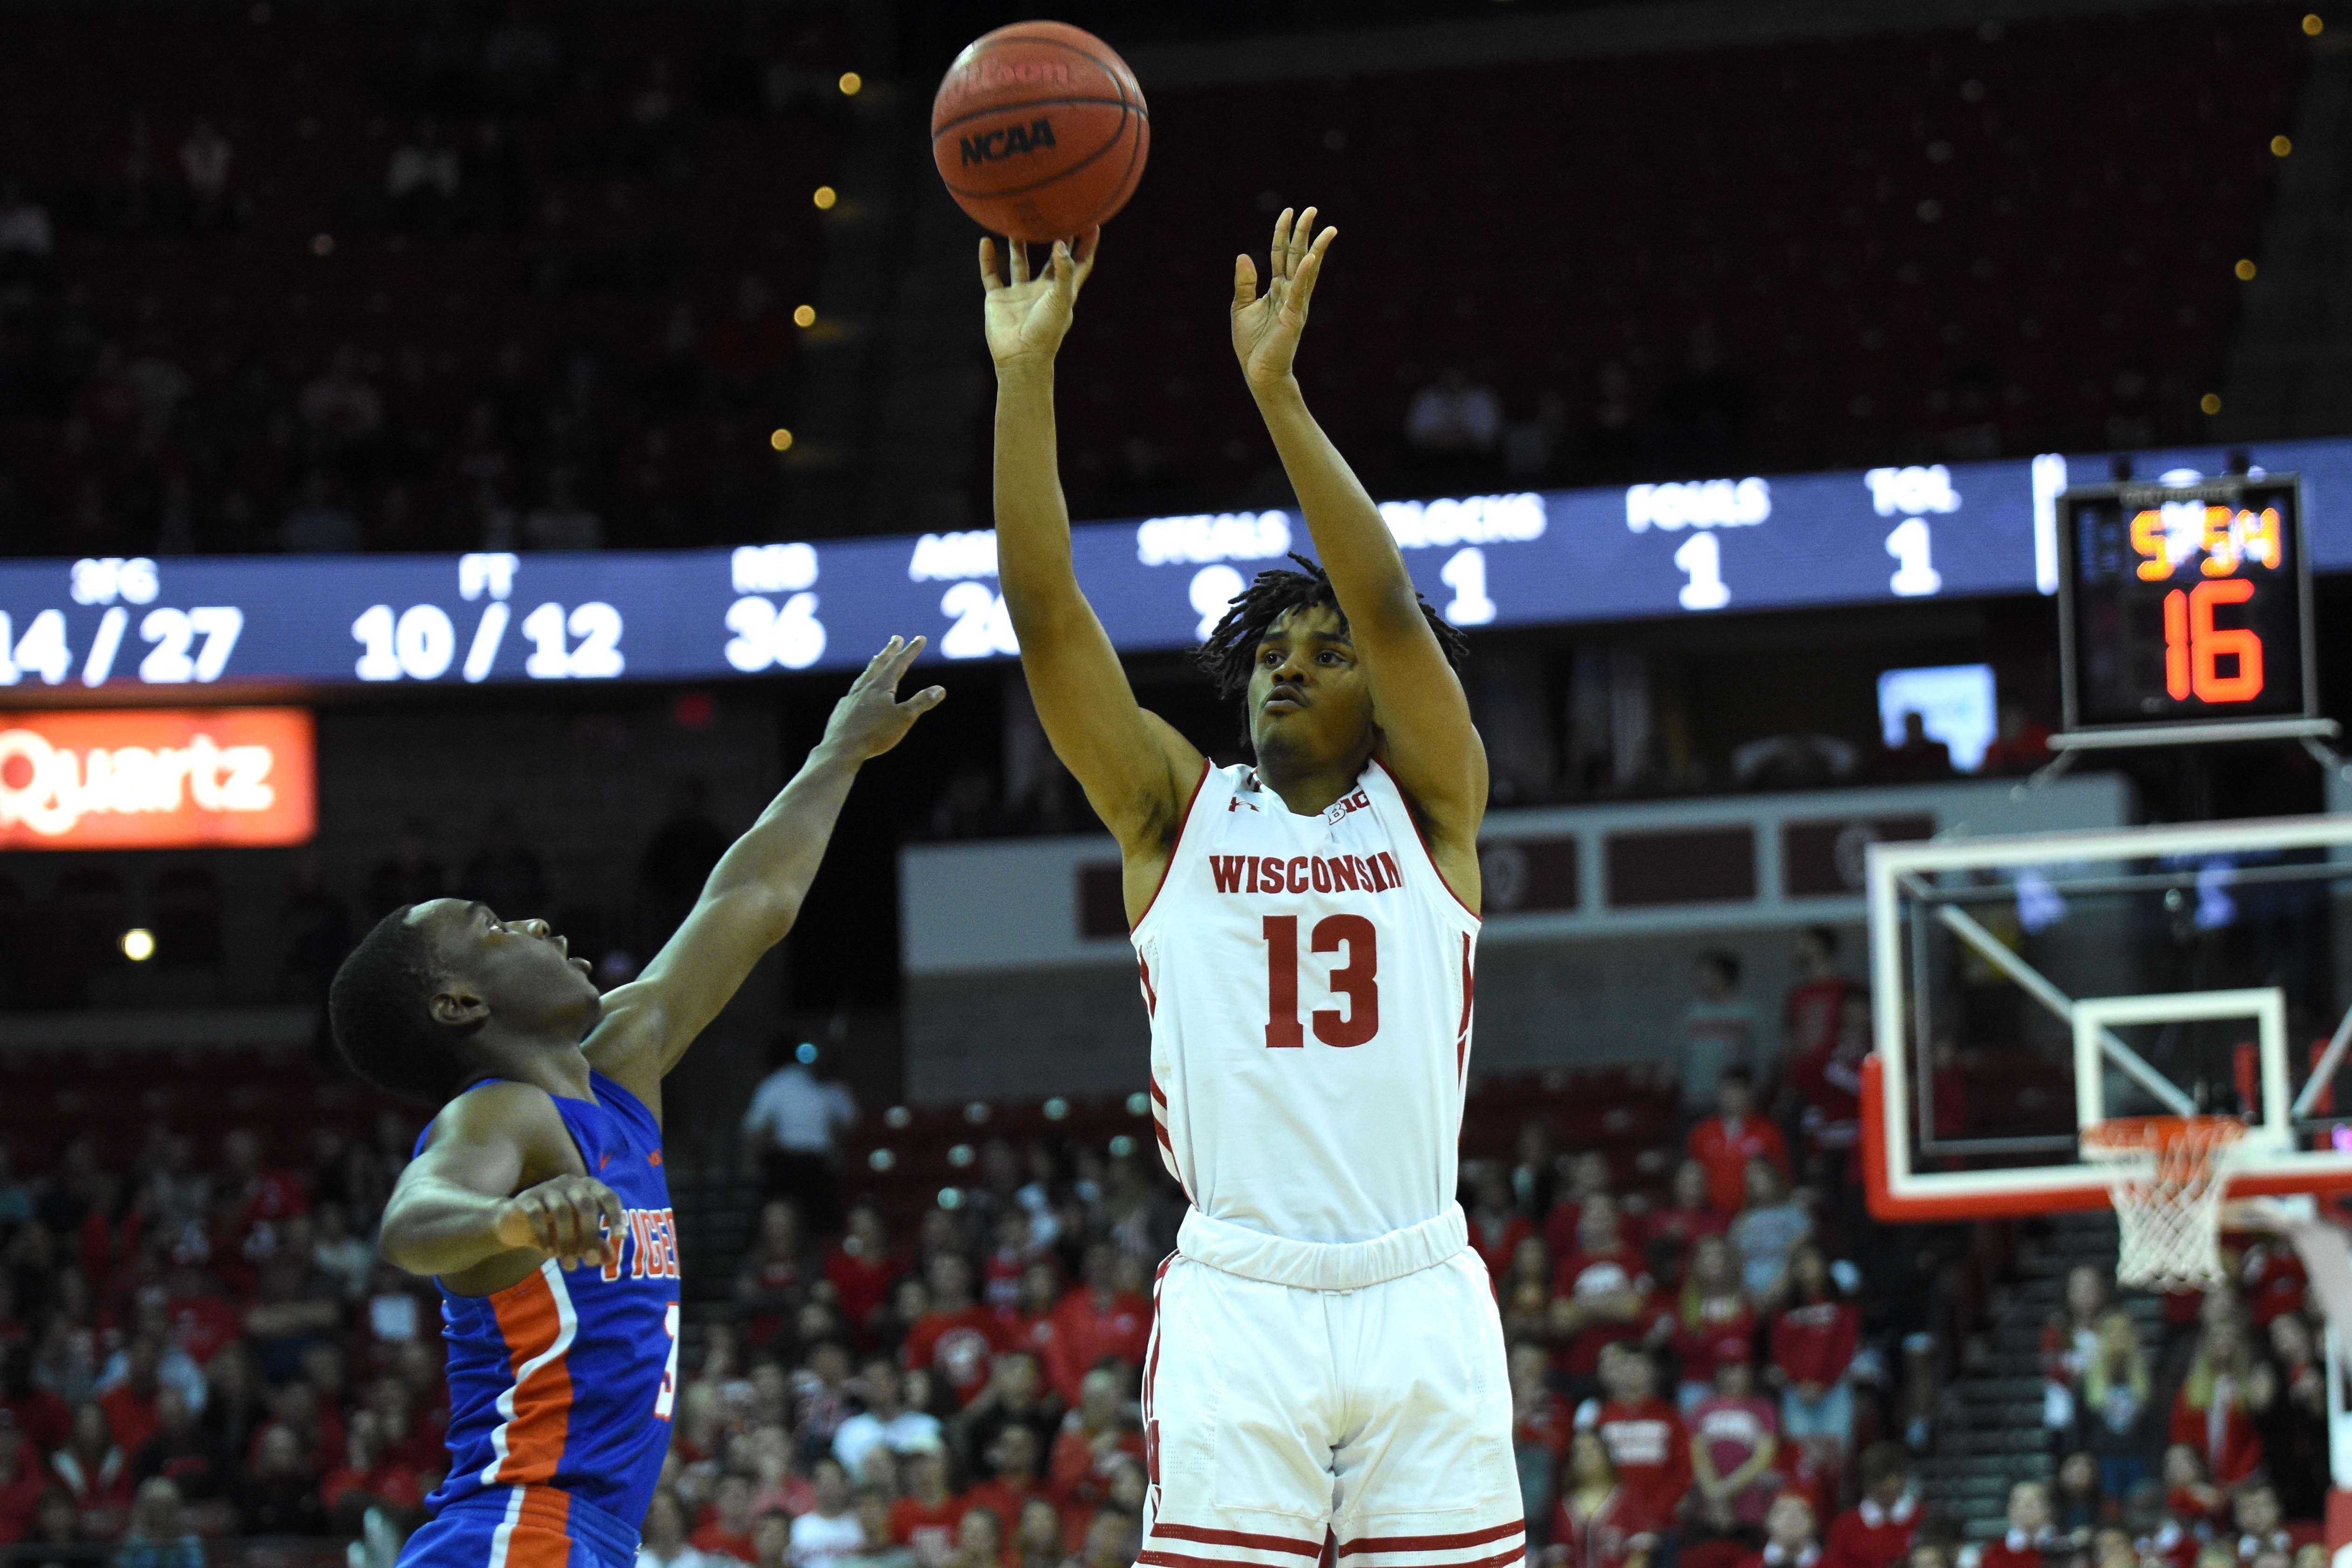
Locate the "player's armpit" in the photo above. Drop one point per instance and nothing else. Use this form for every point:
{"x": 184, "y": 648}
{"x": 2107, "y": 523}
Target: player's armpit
{"x": 486, "y": 1145}
{"x": 1135, "y": 769}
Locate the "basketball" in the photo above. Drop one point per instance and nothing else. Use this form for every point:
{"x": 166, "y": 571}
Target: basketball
{"x": 1040, "y": 130}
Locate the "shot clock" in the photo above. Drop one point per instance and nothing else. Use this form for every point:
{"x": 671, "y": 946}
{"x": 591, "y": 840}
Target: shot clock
{"x": 2184, "y": 609}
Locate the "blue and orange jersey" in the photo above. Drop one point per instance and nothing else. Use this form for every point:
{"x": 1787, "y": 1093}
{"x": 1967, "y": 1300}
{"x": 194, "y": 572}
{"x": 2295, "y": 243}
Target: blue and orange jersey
{"x": 565, "y": 1378}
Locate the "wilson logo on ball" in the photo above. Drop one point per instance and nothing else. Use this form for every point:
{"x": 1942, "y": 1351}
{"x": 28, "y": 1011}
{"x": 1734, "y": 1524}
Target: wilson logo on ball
{"x": 985, "y": 75}
{"x": 988, "y": 146}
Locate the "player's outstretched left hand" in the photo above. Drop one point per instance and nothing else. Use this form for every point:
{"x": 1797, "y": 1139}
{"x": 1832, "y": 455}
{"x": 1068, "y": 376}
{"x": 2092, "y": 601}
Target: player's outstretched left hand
{"x": 869, "y": 718}
{"x": 1026, "y": 317}
{"x": 1266, "y": 326}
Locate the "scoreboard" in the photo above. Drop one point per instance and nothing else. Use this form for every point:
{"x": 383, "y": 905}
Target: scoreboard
{"x": 2186, "y": 607}
{"x": 1667, "y": 549}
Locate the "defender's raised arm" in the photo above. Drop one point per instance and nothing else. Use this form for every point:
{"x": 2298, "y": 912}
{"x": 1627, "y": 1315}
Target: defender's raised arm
{"x": 1426, "y": 736}
{"x": 755, "y": 891}
{"x": 1137, "y": 770}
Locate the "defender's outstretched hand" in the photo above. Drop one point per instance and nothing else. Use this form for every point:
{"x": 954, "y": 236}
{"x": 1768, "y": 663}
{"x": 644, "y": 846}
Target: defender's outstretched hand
{"x": 869, "y": 718}
{"x": 1266, "y": 326}
{"x": 1027, "y": 317}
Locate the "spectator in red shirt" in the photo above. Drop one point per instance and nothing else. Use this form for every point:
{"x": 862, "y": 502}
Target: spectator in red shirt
{"x": 1096, "y": 1431}
{"x": 2189, "y": 1497}
{"x": 1541, "y": 1423}
{"x": 1012, "y": 1463}
{"x": 1599, "y": 1522}
{"x": 1812, "y": 1346}
{"x": 1029, "y": 1321}
{"x": 1588, "y": 1177}
{"x": 1714, "y": 1321}
{"x": 2271, "y": 1280}
{"x": 1808, "y": 1015}
{"x": 956, "y": 1337}
{"x": 925, "y": 1519}
{"x": 129, "y": 1404}
{"x": 1734, "y": 1441}
{"x": 1648, "y": 1444}
{"x": 95, "y": 1471}
{"x": 1878, "y": 1531}
{"x": 369, "y": 1479}
{"x": 183, "y": 1454}
{"x": 1735, "y": 1134}
{"x": 1829, "y": 1085}
{"x": 2029, "y": 1534}
{"x": 1103, "y": 1319}
{"x": 1016, "y": 1248}
{"x": 774, "y": 1274}
{"x": 1601, "y": 1290}
{"x": 1671, "y": 1230}
{"x": 2214, "y": 1411}
{"x": 251, "y": 1193}
{"x": 727, "y": 1524}
{"x": 861, "y": 1265}
{"x": 40, "y": 1417}
{"x": 1496, "y": 1226}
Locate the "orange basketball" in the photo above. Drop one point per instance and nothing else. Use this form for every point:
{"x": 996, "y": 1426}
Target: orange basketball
{"x": 1040, "y": 130}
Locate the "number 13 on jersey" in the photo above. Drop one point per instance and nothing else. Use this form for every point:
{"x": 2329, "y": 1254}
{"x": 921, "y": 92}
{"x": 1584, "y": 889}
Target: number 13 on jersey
{"x": 1356, "y": 979}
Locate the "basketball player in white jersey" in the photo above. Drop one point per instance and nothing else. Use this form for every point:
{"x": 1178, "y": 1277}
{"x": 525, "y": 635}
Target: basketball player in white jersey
{"x": 1327, "y": 1358}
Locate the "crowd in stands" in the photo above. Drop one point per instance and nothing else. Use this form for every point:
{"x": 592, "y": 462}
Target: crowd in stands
{"x": 526, "y": 276}
{"x": 450, "y": 279}
{"x": 1715, "y": 1358}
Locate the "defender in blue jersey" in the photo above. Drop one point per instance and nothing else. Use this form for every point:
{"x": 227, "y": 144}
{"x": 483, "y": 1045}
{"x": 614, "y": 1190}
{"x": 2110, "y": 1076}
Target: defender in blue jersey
{"x": 537, "y": 1197}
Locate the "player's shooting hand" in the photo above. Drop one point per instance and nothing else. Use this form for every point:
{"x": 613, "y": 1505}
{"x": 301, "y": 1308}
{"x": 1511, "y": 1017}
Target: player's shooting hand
{"x": 1266, "y": 326}
{"x": 869, "y": 718}
{"x": 572, "y": 1219}
{"x": 1026, "y": 317}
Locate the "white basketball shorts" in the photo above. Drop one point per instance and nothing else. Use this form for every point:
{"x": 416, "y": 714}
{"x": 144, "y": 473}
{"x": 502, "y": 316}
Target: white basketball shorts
{"x": 1379, "y": 1413}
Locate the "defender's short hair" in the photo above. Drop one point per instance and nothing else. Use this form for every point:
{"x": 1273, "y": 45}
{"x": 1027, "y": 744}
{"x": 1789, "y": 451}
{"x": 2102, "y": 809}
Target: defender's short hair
{"x": 379, "y": 1009}
{"x": 1230, "y": 651}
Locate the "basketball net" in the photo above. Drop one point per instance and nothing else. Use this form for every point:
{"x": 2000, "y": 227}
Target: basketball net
{"x": 2167, "y": 1176}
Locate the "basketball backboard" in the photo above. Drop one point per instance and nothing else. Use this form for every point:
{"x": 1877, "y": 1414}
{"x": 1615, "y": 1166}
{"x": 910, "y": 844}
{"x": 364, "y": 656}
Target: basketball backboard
{"x": 2023, "y": 988}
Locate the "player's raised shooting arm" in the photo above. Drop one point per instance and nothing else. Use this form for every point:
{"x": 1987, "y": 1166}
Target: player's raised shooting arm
{"x": 1135, "y": 769}
{"x": 754, "y": 893}
{"x": 491, "y": 1181}
{"x": 1424, "y": 718}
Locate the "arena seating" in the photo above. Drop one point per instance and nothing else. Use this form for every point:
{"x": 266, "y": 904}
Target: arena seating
{"x": 610, "y": 198}
{"x": 1916, "y": 245}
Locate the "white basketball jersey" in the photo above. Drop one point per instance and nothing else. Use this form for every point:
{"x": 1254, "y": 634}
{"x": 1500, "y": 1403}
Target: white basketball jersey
{"x": 1309, "y": 984}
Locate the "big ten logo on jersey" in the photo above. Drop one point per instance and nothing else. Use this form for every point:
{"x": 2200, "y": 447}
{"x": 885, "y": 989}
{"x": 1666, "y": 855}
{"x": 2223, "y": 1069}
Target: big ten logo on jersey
{"x": 648, "y": 1246}
{"x": 1243, "y": 874}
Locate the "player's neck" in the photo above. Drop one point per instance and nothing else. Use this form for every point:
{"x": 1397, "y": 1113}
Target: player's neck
{"x": 562, "y": 1071}
{"x": 1309, "y": 788}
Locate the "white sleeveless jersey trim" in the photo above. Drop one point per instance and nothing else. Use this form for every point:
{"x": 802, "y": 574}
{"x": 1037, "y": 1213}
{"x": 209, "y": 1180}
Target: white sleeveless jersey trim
{"x": 1183, "y": 821}
{"x": 1428, "y": 856}
{"x": 1309, "y": 980}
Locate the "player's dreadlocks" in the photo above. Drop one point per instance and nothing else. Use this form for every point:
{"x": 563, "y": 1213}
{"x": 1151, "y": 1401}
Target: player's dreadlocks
{"x": 1230, "y": 652}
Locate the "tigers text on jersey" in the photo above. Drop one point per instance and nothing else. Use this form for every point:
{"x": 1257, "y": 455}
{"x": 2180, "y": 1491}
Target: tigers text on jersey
{"x": 561, "y": 1384}
{"x": 1310, "y": 983}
